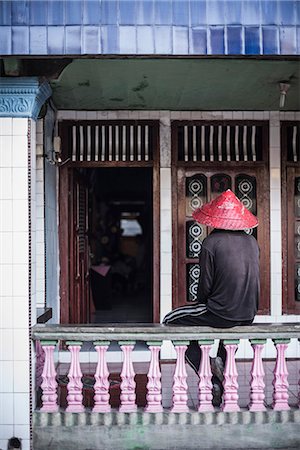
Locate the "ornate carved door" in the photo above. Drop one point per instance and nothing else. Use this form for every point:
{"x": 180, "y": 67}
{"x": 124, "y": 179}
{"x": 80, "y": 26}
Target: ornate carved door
{"x": 211, "y": 159}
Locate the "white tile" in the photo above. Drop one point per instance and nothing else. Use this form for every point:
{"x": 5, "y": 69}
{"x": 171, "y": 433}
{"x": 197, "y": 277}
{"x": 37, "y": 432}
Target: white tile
{"x": 275, "y": 179}
{"x": 20, "y": 127}
{"x": 5, "y": 151}
{"x": 6, "y": 345}
{"x": 6, "y": 432}
{"x": 20, "y": 344}
{"x": 81, "y": 115}
{"x": 227, "y": 115}
{"x": 19, "y": 151}
{"x": 6, "y": 376}
{"x": 166, "y": 284}
{"x": 6, "y": 279}
{"x": 20, "y": 247}
{"x": 275, "y": 157}
{"x": 5, "y": 183}
{"x": 5, "y": 215}
{"x": 275, "y": 220}
{"x": 166, "y": 242}
{"x": 91, "y": 115}
{"x": 274, "y": 137}
{"x": 6, "y": 126}
{"x": 166, "y": 305}
{"x": 6, "y": 313}
{"x": 237, "y": 115}
{"x": 166, "y": 263}
{"x": 6, "y": 248}
{"x": 166, "y": 220}
{"x": 20, "y": 312}
{"x": 165, "y": 178}
{"x": 20, "y": 183}
{"x": 248, "y": 115}
{"x": 21, "y": 376}
{"x": 26, "y": 444}
{"x": 165, "y": 199}
{"x": 275, "y": 199}
{"x": 275, "y": 283}
{"x": 20, "y": 215}
{"x": 275, "y": 241}
{"x": 22, "y": 432}
{"x": 21, "y": 409}
{"x": 20, "y": 280}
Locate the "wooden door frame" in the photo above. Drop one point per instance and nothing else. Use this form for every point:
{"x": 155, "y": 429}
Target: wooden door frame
{"x": 261, "y": 167}
{"x": 65, "y": 172}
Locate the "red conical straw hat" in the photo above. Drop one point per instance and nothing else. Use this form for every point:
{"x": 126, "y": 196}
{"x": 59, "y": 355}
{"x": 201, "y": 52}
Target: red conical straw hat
{"x": 226, "y": 212}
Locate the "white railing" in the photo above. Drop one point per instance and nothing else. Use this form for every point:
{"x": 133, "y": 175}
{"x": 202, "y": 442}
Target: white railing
{"x": 47, "y": 338}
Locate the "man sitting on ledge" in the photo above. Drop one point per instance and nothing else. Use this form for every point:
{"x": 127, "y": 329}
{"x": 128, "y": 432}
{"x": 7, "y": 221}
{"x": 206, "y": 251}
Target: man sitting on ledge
{"x": 228, "y": 287}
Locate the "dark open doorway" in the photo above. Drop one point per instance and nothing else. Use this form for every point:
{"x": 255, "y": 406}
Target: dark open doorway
{"x": 120, "y": 236}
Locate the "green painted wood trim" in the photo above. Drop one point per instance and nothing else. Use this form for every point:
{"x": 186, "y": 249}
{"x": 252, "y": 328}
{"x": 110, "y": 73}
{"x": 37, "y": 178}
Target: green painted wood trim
{"x": 281, "y": 341}
{"x": 74, "y": 343}
{"x": 206, "y": 342}
{"x": 101, "y": 343}
{"x": 153, "y": 343}
{"x": 180, "y": 342}
{"x": 44, "y": 343}
{"x": 257, "y": 341}
{"x": 231, "y": 341}
{"x": 126, "y": 342}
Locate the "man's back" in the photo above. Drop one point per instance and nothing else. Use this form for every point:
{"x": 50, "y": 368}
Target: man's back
{"x": 229, "y": 278}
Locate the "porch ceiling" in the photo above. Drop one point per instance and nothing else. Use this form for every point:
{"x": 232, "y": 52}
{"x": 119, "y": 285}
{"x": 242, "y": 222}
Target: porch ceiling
{"x": 177, "y": 84}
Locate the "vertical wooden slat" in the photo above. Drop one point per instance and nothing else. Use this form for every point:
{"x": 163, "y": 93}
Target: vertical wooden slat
{"x": 211, "y": 143}
{"x": 236, "y": 143}
{"x": 117, "y": 142}
{"x": 253, "y": 143}
{"x": 294, "y": 144}
{"x": 96, "y": 143}
{"x": 89, "y": 150}
{"x": 186, "y": 143}
{"x": 124, "y": 143}
{"x": 194, "y": 144}
{"x": 202, "y": 143}
{"x": 110, "y": 143}
{"x": 220, "y": 143}
{"x": 131, "y": 144}
{"x": 139, "y": 144}
{"x": 103, "y": 143}
{"x": 74, "y": 143}
{"x": 228, "y": 142}
{"x": 146, "y": 143}
{"x": 245, "y": 143}
{"x": 81, "y": 146}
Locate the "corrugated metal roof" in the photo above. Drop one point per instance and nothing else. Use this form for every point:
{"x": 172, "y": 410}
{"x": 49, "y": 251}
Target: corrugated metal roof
{"x": 160, "y": 27}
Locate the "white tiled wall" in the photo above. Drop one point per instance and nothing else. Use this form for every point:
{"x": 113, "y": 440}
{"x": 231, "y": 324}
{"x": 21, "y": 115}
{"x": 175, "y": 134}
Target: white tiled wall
{"x": 14, "y": 280}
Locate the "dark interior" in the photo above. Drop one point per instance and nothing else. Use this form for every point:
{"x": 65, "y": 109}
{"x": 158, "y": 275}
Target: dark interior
{"x": 120, "y": 243}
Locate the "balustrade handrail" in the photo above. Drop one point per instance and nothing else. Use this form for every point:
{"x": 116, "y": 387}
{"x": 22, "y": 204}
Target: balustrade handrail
{"x": 158, "y": 332}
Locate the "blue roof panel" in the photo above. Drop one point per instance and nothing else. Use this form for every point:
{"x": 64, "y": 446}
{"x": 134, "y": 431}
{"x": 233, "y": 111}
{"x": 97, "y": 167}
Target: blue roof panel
{"x": 195, "y": 27}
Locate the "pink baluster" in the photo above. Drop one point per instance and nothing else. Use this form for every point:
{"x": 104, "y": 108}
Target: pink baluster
{"x": 154, "y": 397}
{"x": 257, "y": 385}
{"x": 230, "y": 383}
{"x": 205, "y": 384}
{"x": 280, "y": 382}
{"x": 127, "y": 396}
{"x": 49, "y": 384}
{"x": 74, "y": 397}
{"x": 180, "y": 387}
{"x": 40, "y": 361}
{"x": 101, "y": 387}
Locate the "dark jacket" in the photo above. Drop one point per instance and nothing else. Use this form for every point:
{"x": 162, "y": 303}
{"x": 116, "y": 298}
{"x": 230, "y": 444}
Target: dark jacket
{"x": 229, "y": 275}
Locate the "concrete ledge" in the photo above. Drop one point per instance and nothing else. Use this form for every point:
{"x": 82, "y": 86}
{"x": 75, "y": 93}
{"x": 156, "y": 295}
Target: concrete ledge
{"x": 156, "y": 332}
{"x": 159, "y": 431}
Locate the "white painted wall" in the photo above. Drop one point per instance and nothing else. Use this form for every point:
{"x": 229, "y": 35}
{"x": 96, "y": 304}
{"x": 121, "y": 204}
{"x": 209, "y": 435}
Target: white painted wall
{"x": 15, "y": 267}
